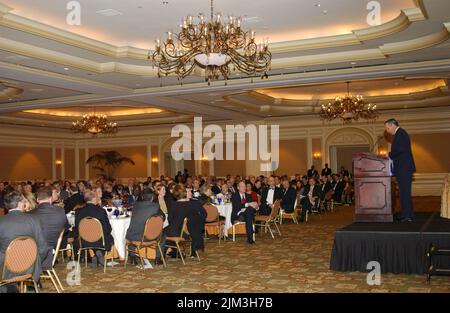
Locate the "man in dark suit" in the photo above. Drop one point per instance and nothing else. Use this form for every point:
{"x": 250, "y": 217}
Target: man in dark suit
{"x": 326, "y": 171}
{"x": 142, "y": 211}
{"x": 289, "y": 196}
{"x": 325, "y": 187}
{"x": 244, "y": 210}
{"x": 310, "y": 197}
{"x": 92, "y": 209}
{"x": 404, "y": 166}
{"x": 17, "y": 223}
{"x": 52, "y": 218}
{"x": 74, "y": 201}
{"x": 268, "y": 197}
{"x": 338, "y": 187}
{"x": 312, "y": 172}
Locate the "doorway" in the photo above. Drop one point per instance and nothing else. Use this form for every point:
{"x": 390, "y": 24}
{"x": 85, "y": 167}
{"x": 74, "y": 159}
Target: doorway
{"x": 343, "y": 156}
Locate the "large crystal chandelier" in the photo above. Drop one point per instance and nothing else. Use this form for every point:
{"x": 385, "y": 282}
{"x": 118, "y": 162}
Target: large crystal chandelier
{"x": 349, "y": 108}
{"x": 94, "y": 124}
{"x": 212, "y": 45}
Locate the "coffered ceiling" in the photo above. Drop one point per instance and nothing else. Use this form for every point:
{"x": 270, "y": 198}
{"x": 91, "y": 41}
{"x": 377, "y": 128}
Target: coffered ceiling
{"x": 51, "y": 72}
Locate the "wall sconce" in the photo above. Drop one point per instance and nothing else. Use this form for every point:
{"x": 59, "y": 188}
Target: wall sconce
{"x": 317, "y": 155}
{"x": 155, "y": 160}
{"x": 383, "y": 152}
{"x": 58, "y": 162}
{"x": 205, "y": 158}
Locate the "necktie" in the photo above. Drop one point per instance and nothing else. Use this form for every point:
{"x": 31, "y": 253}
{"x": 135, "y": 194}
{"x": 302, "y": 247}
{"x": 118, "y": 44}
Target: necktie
{"x": 243, "y": 200}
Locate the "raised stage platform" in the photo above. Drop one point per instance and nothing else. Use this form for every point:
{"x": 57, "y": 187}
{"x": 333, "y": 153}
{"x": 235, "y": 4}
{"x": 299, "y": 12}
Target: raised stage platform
{"x": 398, "y": 247}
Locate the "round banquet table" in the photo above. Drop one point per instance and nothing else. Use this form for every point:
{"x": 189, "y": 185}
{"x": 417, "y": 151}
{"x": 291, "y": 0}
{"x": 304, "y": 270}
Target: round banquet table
{"x": 119, "y": 228}
{"x": 225, "y": 211}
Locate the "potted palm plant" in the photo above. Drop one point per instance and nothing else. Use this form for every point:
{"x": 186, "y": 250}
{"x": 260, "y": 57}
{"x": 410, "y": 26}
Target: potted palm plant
{"x": 107, "y": 162}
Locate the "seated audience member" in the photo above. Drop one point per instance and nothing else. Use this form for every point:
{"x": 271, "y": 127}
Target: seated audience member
{"x": 338, "y": 188}
{"x": 269, "y": 196}
{"x": 344, "y": 172}
{"x": 195, "y": 188}
{"x": 310, "y": 197}
{"x": 183, "y": 208}
{"x": 30, "y": 201}
{"x": 232, "y": 186}
{"x": 215, "y": 187}
{"x": 249, "y": 190}
{"x": 93, "y": 209}
{"x": 16, "y": 224}
{"x": 74, "y": 201}
{"x": 205, "y": 194}
{"x": 347, "y": 194}
{"x": 61, "y": 192}
{"x": 225, "y": 191}
{"x": 142, "y": 211}
{"x": 257, "y": 187}
{"x": 52, "y": 218}
{"x": 244, "y": 209}
{"x": 2, "y": 194}
{"x": 108, "y": 193}
{"x": 326, "y": 189}
{"x": 289, "y": 196}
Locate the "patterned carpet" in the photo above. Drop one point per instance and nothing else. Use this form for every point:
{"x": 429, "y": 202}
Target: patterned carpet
{"x": 296, "y": 262}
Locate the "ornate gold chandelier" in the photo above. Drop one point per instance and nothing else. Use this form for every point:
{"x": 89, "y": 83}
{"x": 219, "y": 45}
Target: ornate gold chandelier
{"x": 349, "y": 108}
{"x": 213, "y": 46}
{"x": 95, "y": 124}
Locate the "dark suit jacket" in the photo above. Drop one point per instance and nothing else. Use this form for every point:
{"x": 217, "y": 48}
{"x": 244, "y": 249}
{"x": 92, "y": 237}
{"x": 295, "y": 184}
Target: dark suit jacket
{"x": 16, "y": 224}
{"x": 215, "y": 189}
{"x": 179, "y": 210}
{"x": 91, "y": 210}
{"x": 142, "y": 210}
{"x": 53, "y": 220}
{"x": 401, "y": 153}
{"x": 326, "y": 171}
{"x": 278, "y": 194}
{"x": 338, "y": 190}
{"x": 288, "y": 200}
{"x": 312, "y": 173}
{"x": 316, "y": 193}
{"x": 72, "y": 201}
{"x": 237, "y": 204}
{"x": 324, "y": 188}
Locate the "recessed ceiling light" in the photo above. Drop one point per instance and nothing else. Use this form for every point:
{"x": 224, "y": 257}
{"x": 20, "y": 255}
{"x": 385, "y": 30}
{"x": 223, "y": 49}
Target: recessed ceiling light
{"x": 317, "y": 5}
{"x": 353, "y": 63}
{"x": 66, "y": 68}
{"x": 109, "y": 12}
{"x": 325, "y": 11}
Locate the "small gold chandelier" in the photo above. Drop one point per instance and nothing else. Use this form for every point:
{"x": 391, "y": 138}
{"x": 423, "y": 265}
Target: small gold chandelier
{"x": 213, "y": 46}
{"x": 95, "y": 124}
{"x": 349, "y": 108}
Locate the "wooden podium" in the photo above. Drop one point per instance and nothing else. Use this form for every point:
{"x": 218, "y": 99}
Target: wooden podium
{"x": 373, "y": 188}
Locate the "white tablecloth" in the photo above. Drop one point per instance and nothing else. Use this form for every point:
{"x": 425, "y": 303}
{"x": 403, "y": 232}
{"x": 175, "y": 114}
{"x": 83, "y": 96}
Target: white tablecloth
{"x": 225, "y": 211}
{"x": 119, "y": 230}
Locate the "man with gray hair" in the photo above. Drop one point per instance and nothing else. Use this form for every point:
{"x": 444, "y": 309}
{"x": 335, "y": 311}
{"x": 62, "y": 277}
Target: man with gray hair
{"x": 404, "y": 167}
{"x": 17, "y": 223}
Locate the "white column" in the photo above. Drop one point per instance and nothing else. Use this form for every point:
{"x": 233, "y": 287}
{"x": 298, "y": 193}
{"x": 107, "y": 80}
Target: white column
{"x": 211, "y": 167}
{"x": 309, "y": 151}
{"x": 77, "y": 162}
{"x": 149, "y": 158}
{"x": 86, "y": 170}
{"x": 324, "y": 153}
{"x": 63, "y": 163}
{"x": 53, "y": 162}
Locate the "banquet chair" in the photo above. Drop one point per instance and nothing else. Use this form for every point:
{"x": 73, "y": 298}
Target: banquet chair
{"x": 180, "y": 242}
{"x": 267, "y": 220}
{"x": 315, "y": 209}
{"x": 51, "y": 274}
{"x": 213, "y": 220}
{"x": 292, "y": 216}
{"x": 90, "y": 230}
{"x": 20, "y": 257}
{"x": 151, "y": 238}
{"x": 233, "y": 229}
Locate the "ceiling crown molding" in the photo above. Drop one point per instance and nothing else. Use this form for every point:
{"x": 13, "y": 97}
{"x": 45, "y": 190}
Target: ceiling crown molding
{"x": 400, "y": 23}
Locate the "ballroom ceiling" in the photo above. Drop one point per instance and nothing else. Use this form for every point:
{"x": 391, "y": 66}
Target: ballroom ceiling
{"x": 50, "y": 71}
